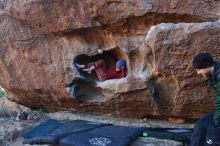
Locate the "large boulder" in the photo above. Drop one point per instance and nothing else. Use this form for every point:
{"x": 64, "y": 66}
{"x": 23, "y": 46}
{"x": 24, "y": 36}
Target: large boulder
{"x": 40, "y": 39}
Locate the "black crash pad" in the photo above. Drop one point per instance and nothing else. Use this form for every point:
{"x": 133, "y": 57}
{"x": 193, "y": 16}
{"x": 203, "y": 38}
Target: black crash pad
{"x": 103, "y": 136}
{"x": 177, "y": 134}
{"x": 49, "y": 132}
{"x": 41, "y": 130}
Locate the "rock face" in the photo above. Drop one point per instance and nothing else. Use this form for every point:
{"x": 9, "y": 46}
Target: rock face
{"x": 40, "y": 39}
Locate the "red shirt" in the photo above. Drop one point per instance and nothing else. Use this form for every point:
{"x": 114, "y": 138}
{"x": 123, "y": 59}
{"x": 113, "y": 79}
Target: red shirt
{"x": 104, "y": 73}
{"x": 112, "y": 73}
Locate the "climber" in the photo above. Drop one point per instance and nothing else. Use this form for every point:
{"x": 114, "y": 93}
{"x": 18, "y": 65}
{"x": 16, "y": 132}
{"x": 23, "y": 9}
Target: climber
{"x": 207, "y": 129}
{"x": 107, "y": 67}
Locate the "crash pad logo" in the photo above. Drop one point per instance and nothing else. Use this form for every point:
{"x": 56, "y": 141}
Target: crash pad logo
{"x": 101, "y": 141}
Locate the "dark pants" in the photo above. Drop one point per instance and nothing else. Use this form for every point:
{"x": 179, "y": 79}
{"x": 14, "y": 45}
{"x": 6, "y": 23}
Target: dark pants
{"x": 205, "y": 132}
